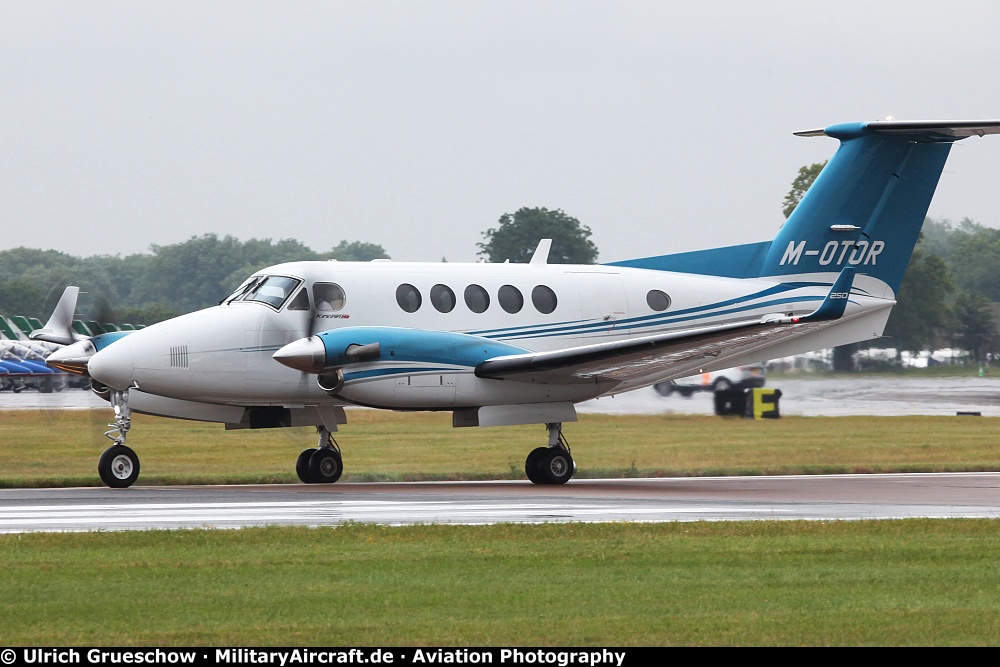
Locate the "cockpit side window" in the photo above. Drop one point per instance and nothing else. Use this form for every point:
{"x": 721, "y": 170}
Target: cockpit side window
{"x": 301, "y": 301}
{"x": 329, "y": 296}
{"x": 273, "y": 290}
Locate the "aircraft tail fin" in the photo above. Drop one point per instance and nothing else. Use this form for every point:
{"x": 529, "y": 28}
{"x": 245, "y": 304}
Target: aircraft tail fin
{"x": 864, "y": 210}
{"x": 59, "y": 328}
{"x": 866, "y": 207}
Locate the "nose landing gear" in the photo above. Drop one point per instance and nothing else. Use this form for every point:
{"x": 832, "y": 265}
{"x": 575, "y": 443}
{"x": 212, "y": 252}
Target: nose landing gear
{"x": 552, "y": 464}
{"x": 119, "y": 465}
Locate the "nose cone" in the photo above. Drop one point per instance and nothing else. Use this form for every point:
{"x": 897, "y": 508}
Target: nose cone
{"x": 73, "y": 358}
{"x": 114, "y": 366}
{"x": 306, "y": 354}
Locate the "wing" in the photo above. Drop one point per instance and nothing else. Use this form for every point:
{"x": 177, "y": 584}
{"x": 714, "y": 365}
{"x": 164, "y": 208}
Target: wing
{"x": 641, "y": 357}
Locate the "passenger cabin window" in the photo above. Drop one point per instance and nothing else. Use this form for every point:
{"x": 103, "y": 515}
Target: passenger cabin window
{"x": 329, "y": 297}
{"x": 273, "y": 290}
{"x": 408, "y": 297}
{"x": 443, "y": 298}
{"x": 301, "y": 301}
{"x": 544, "y": 299}
{"x": 477, "y": 298}
{"x": 510, "y": 299}
{"x": 657, "y": 300}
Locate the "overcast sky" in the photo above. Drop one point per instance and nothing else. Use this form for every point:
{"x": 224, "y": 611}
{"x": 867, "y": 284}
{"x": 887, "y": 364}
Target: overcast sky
{"x": 662, "y": 126}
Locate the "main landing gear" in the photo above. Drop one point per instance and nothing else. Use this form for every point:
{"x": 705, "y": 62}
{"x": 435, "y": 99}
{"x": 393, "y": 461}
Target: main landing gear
{"x": 119, "y": 465}
{"x": 552, "y": 464}
{"x": 322, "y": 465}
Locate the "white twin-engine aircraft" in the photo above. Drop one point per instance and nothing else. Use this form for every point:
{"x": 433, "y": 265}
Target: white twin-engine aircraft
{"x": 500, "y": 344}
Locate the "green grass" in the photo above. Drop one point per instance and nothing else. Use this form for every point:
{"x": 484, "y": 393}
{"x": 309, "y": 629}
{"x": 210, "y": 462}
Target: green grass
{"x": 49, "y": 448}
{"x": 912, "y": 582}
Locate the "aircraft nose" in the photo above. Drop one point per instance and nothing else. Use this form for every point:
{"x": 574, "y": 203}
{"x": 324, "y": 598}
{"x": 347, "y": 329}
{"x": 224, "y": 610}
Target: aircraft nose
{"x": 113, "y": 366}
{"x": 306, "y": 354}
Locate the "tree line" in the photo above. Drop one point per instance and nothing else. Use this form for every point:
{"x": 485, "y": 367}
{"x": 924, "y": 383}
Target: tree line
{"x": 147, "y": 288}
{"x": 178, "y": 278}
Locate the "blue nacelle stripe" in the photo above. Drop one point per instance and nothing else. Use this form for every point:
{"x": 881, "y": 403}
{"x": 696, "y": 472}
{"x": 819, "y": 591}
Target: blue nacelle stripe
{"x": 101, "y": 341}
{"x": 400, "y": 345}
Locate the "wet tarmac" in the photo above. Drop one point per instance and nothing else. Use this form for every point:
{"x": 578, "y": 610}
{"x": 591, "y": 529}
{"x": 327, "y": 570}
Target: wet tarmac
{"x": 855, "y": 395}
{"x": 834, "y": 397}
{"x": 814, "y": 497}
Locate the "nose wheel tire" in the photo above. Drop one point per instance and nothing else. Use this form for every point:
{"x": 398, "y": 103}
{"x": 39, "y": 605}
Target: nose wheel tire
{"x": 325, "y": 466}
{"x": 118, "y": 467}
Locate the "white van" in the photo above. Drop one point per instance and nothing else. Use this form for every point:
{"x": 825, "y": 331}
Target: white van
{"x": 739, "y": 377}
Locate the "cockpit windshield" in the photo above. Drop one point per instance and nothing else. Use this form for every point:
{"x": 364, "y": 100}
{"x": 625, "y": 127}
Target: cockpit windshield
{"x": 243, "y": 289}
{"x": 272, "y": 290}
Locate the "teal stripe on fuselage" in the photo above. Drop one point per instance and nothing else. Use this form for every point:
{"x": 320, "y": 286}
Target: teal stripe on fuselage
{"x": 645, "y": 321}
{"x": 675, "y": 319}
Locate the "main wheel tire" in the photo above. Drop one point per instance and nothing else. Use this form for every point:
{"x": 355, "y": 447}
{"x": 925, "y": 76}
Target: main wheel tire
{"x": 118, "y": 467}
{"x": 722, "y": 384}
{"x": 325, "y": 466}
{"x": 557, "y": 466}
{"x": 533, "y": 465}
{"x": 302, "y": 466}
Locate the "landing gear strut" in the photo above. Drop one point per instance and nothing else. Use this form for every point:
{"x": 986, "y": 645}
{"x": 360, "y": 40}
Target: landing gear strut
{"x": 119, "y": 465}
{"x": 322, "y": 465}
{"x": 552, "y": 464}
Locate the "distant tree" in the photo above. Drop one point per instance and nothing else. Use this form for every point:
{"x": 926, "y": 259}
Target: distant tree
{"x": 356, "y": 251}
{"x": 807, "y": 175}
{"x": 975, "y": 322}
{"x": 149, "y": 315}
{"x": 921, "y": 312}
{"x": 144, "y": 288}
{"x": 190, "y": 275}
{"x": 20, "y": 297}
{"x": 518, "y": 235}
{"x": 975, "y": 259}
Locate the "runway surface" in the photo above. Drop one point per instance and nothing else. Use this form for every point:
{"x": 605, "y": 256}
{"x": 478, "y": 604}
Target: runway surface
{"x": 813, "y": 497}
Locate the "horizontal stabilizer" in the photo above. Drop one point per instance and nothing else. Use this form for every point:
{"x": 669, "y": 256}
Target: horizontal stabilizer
{"x": 944, "y": 129}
